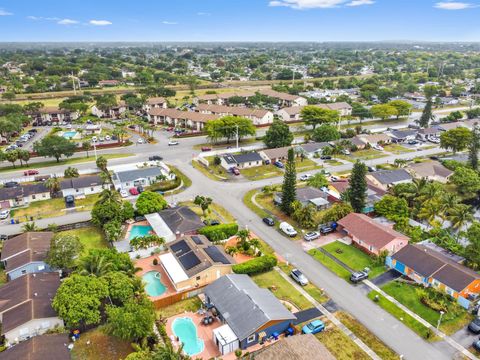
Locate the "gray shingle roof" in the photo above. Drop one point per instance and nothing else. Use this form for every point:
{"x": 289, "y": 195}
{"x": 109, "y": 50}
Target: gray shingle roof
{"x": 81, "y": 182}
{"x": 248, "y": 157}
{"x": 387, "y": 177}
{"x": 243, "y": 305}
{"x": 314, "y": 146}
{"x": 131, "y": 175}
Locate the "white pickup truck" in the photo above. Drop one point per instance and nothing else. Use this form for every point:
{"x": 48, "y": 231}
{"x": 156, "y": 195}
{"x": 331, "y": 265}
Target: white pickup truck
{"x": 288, "y": 229}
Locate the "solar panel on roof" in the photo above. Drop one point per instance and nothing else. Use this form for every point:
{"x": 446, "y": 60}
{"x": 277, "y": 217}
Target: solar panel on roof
{"x": 180, "y": 248}
{"x": 216, "y": 255}
{"x": 197, "y": 240}
{"x": 189, "y": 260}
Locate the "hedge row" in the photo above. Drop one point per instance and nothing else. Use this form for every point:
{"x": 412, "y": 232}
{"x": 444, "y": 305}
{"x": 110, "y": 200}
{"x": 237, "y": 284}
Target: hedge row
{"x": 256, "y": 265}
{"x": 219, "y": 232}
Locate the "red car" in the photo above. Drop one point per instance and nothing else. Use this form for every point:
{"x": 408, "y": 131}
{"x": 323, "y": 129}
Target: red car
{"x": 205, "y": 148}
{"x": 30, "y": 172}
{"x": 133, "y": 191}
{"x": 236, "y": 171}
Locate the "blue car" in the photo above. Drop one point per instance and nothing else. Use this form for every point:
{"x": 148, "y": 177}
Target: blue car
{"x": 313, "y": 327}
{"x": 279, "y": 164}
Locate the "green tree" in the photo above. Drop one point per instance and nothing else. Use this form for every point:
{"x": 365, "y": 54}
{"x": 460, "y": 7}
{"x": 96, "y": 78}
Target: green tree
{"x": 118, "y": 262}
{"x": 325, "y": 133}
{"x": 466, "y": 180}
{"x": 314, "y": 115}
{"x": 79, "y": 300}
{"x": 460, "y": 215}
{"x": 305, "y": 216}
{"x": 228, "y": 127}
{"x": 102, "y": 164}
{"x": 94, "y": 265}
{"x": 289, "y": 184}
{"x": 427, "y": 115}
{"x": 121, "y": 287}
{"x": 146, "y": 241}
{"x": 393, "y": 208}
{"x": 455, "y": 139}
{"x": 474, "y": 147}
{"x": 204, "y": 202}
{"x": 71, "y": 172}
{"x": 357, "y": 190}
{"x": 86, "y": 145}
{"x": 383, "y": 111}
{"x": 472, "y": 250}
{"x": 54, "y": 146}
{"x": 105, "y": 102}
{"x": 11, "y": 156}
{"x": 53, "y": 184}
{"x": 318, "y": 181}
{"x": 150, "y": 202}
{"x": 23, "y": 156}
{"x": 336, "y": 212}
{"x": 278, "y": 135}
{"x": 403, "y": 107}
{"x": 64, "y": 250}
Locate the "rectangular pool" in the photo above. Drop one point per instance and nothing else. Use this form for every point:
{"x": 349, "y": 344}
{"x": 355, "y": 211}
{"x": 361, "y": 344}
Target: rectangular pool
{"x": 139, "y": 231}
{"x": 69, "y": 134}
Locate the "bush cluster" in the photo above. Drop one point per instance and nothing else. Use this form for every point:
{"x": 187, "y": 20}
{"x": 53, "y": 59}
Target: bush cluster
{"x": 255, "y": 266}
{"x": 219, "y": 232}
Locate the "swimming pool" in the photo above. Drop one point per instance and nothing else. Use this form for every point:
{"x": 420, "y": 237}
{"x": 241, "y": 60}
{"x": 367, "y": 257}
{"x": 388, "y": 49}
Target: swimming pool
{"x": 139, "y": 231}
{"x": 154, "y": 286}
{"x": 69, "y": 134}
{"x": 186, "y": 331}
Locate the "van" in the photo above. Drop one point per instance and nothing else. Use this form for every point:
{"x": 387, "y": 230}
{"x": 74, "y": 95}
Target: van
{"x": 288, "y": 229}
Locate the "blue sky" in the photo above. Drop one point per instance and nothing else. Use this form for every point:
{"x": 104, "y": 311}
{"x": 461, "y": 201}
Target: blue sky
{"x": 239, "y": 20}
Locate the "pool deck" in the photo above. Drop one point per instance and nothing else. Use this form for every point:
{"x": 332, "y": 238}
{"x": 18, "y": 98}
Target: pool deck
{"x": 146, "y": 264}
{"x": 205, "y": 332}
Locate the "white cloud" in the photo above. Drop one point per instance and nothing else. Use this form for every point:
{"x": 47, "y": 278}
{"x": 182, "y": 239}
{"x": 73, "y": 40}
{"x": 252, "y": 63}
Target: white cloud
{"x": 453, "y": 5}
{"x": 67, "y": 22}
{"x": 5, "y": 13}
{"x": 307, "y": 4}
{"x": 361, "y": 2}
{"x": 169, "y": 22}
{"x": 100, "y": 22}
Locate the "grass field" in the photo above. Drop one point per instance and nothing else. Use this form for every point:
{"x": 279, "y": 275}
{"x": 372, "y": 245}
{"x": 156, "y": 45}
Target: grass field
{"x": 261, "y": 172}
{"x": 330, "y": 264}
{"x": 247, "y": 199}
{"x": 95, "y": 344}
{"x": 340, "y": 345}
{"x": 311, "y": 289}
{"x": 214, "y": 172}
{"x": 215, "y": 211}
{"x": 191, "y": 304}
{"x": 368, "y": 154}
{"x": 397, "y": 149}
{"x": 306, "y": 164}
{"x": 90, "y": 237}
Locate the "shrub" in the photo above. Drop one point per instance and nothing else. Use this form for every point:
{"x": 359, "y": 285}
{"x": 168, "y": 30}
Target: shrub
{"x": 155, "y": 261}
{"x": 219, "y": 232}
{"x": 255, "y": 266}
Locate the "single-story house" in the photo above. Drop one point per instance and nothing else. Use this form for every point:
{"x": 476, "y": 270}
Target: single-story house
{"x": 112, "y": 113}
{"x": 373, "y": 139}
{"x": 26, "y": 306}
{"x": 301, "y": 346}
{"x": 343, "y": 108}
{"x": 103, "y": 83}
{"x": 193, "y": 261}
{"x": 155, "y": 102}
{"x": 127, "y": 179}
{"x": 285, "y": 99}
{"x": 51, "y": 347}
{"x": 223, "y": 98}
{"x": 386, "y": 178}
{"x": 258, "y": 116}
{"x": 310, "y": 149}
{"x": 82, "y": 186}
{"x": 26, "y": 254}
{"x": 277, "y": 154}
{"x": 399, "y": 136}
{"x": 452, "y": 125}
{"x": 374, "y": 194}
{"x": 250, "y": 314}
{"x": 241, "y": 161}
{"x": 293, "y": 113}
{"x": 176, "y": 118}
{"x": 308, "y": 195}
{"x": 23, "y": 194}
{"x": 91, "y": 129}
{"x": 424, "y": 134}
{"x": 430, "y": 267}
{"x": 371, "y": 236}
{"x": 431, "y": 170}
{"x": 53, "y": 114}
{"x": 181, "y": 220}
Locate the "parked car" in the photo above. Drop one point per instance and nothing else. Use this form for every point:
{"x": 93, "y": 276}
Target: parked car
{"x": 298, "y": 276}
{"x": 433, "y": 157}
{"x": 474, "y": 326}
{"x": 313, "y": 327}
{"x": 235, "y": 171}
{"x": 312, "y": 235}
{"x": 268, "y": 221}
{"x": 327, "y": 228}
{"x": 155, "y": 158}
{"x": 476, "y": 345}
{"x": 325, "y": 173}
{"x": 173, "y": 143}
{"x": 371, "y": 168}
{"x": 123, "y": 193}
{"x": 412, "y": 142}
{"x": 140, "y": 189}
{"x": 377, "y": 147}
{"x": 326, "y": 157}
{"x": 94, "y": 139}
{"x": 334, "y": 178}
{"x": 69, "y": 200}
{"x": 133, "y": 191}
{"x": 279, "y": 164}
{"x": 288, "y": 229}
{"x": 108, "y": 138}
{"x": 32, "y": 131}
{"x": 4, "y": 214}
{"x": 30, "y": 172}
{"x": 413, "y": 126}
{"x": 213, "y": 222}
{"x": 206, "y": 148}
{"x": 358, "y": 276}
{"x": 345, "y": 152}
{"x": 11, "y": 184}
{"x": 305, "y": 177}
{"x": 140, "y": 141}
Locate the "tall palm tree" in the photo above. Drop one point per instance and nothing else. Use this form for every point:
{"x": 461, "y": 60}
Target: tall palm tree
{"x": 167, "y": 352}
{"x": 429, "y": 211}
{"x": 53, "y": 184}
{"x": 244, "y": 236}
{"x": 31, "y": 226}
{"x": 448, "y": 201}
{"x": 95, "y": 265}
{"x": 460, "y": 215}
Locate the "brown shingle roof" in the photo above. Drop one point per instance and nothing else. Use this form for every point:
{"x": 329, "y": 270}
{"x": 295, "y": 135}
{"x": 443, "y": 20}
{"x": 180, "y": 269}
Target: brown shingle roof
{"x": 51, "y": 347}
{"x": 276, "y": 153}
{"x": 183, "y": 115}
{"x": 233, "y": 110}
{"x": 25, "y": 248}
{"x": 279, "y": 95}
{"x": 156, "y": 100}
{"x": 369, "y": 231}
{"x": 296, "y": 347}
{"x": 430, "y": 168}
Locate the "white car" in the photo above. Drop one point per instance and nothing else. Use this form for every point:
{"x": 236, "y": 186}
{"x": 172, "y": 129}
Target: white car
{"x": 69, "y": 126}
{"x": 288, "y": 229}
{"x": 345, "y": 152}
{"x": 334, "y": 178}
{"x": 140, "y": 141}
{"x": 377, "y": 147}
{"x": 173, "y": 143}
{"x": 310, "y": 236}
{"x": 108, "y": 138}
{"x": 305, "y": 177}
{"x": 123, "y": 193}
{"x": 4, "y": 214}
{"x": 94, "y": 139}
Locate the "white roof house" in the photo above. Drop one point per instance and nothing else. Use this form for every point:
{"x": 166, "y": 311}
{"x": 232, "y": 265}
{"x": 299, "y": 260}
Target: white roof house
{"x": 160, "y": 227}
{"x": 173, "y": 268}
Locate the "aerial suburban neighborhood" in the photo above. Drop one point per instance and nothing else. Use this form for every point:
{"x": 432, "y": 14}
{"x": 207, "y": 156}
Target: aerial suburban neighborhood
{"x": 178, "y": 184}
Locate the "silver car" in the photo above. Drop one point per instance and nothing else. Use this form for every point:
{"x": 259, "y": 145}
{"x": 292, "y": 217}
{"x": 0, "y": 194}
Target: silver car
{"x": 310, "y": 236}
{"x": 298, "y": 276}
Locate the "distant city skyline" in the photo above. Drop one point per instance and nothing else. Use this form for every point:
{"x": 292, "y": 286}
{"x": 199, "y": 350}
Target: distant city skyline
{"x": 239, "y": 20}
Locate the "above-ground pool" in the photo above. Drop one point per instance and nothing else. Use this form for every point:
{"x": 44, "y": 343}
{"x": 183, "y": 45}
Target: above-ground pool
{"x": 186, "y": 331}
{"x": 139, "y": 231}
{"x": 69, "y": 134}
{"x": 154, "y": 286}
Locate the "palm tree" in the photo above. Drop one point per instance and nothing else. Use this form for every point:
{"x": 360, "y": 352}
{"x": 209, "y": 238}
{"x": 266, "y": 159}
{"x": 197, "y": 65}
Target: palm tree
{"x": 244, "y": 237}
{"x": 110, "y": 196}
{"x": 53, "y": 184}
{"x": 449, "y": 201}
{"x": 460, "y": 215}
{"x": 400, "y": 163}
{"x": 232, "y": 250}
{"x": 71, "y": 172}
{"x": 167, "y": 352}
{"x": 31, "y": 226}
{"x": 95, "y": 265}
{"x": 102, "y": 165}
{"x": 429, "y": 211}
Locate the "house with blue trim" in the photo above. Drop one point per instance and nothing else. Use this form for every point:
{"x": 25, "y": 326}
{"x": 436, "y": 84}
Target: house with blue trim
{"x": 249, "y": 313}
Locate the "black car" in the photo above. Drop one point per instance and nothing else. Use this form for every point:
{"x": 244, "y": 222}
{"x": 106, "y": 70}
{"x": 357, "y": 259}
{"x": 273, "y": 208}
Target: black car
{"x": 371, "y": 169}
{"x": 326, "y": 157}
{"x": 3, "y": 237}
{"x": 69, "y": 201}
{"x": 11, "y": 184}
{"x": 474, "y": 326}
{"x": 433, "y": 157}
{"x": 140, "y": 189}
{"x": 211, "y": 222}
{"x": 358, "y": 276}
{"x": 155, "y": 158}
{"x": 268, "y": 221}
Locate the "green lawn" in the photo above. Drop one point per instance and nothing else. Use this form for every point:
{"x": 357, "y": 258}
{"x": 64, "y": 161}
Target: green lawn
{"x": 216, "y": 211}
{"x": 407, "y": 295}
{"x": 281, "y": 288}
{"x": 191, "y": 304}
{"x": 69, "y": 161}
{"x": 305, "y": 164}
{"x": 311, "y": 289}
{"x": 214, "y": 172}
{"x": 330, "y": 264}
{"x": 368, "y": 154}
{"x": 90, "y": 237}
{"x": 96, "y": 344}
{"x": 401, "y": 315}
{"x": 354, "y": 258}
{"x": 340, "y": 345}
{"x": 397, "y": 149}
{"x": 247, "y": 200}
{"x": 261, "y": 172}
{"x": 333, "y": 162}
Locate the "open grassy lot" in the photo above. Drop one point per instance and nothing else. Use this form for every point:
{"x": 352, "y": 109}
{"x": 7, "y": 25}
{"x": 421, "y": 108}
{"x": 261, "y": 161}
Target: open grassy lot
{"x": 70, "y": 161}
{"x": 191, "y": 304}
{"x": 311, "y": 289}
{"x": 333, "y": 162}
{"x": 224, "y": 144}
{"x": 397, "y": 149}
{"x": 354, "y": 258}
{"x": 216, "y": 211}
{"x": 261, "y": 172}
{"x": 214, "y": 172}
{"x": 247, "y": 199}
{"x": 454, "y": 319}
{"x": 100, "y": 346}
{"x": 281, "y": 288}
{"x": 340, "y": 345}
{"x": 401, "y": 315}
{"x": 90, "y": 237}
{"x": 368, "y": 154}
{"x": 367, "y": 337}
{"x": 330, "y": 264}
{"x": 305, "y": 164}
